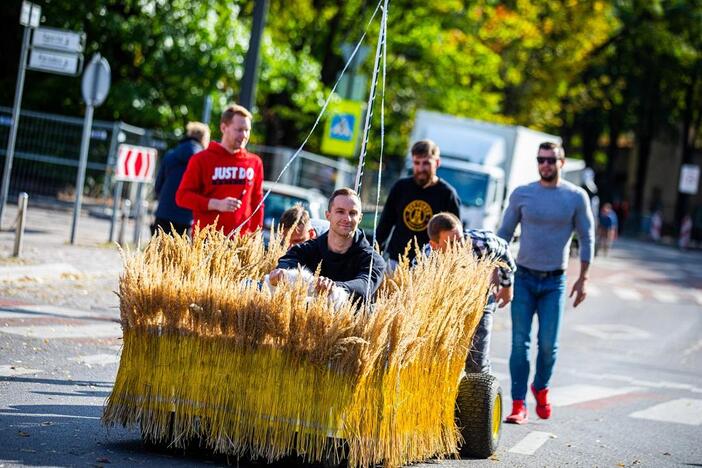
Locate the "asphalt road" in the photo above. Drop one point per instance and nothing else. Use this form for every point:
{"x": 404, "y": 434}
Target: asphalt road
{"x": 627, "y": 390}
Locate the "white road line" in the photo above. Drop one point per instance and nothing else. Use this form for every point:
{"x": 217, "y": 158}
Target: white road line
{"x": 5, "y": 412}
{"x": 628, "y": 294}
{"x": 613, "y": 331}
{"x": 47, "y": 270}
{"x": 632, "y": 381}
{"x": 665, "y": 296}
{"x": 97, "y": 359}
{"x": 682, "y": 411}
{"x": 16, "y": 313}
{"x": 101, "y": 330}
{"x": 698, "y": 297}
{"x": 593, "y": 291}
{"x": 580, "y": 393}
{"x": 11, "y": 371}
{"x": 45, "y": 310}
{"x": 531, "y": 443}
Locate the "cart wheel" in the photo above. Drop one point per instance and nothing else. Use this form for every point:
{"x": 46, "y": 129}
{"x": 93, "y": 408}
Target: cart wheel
{"x": 479, "y": 414}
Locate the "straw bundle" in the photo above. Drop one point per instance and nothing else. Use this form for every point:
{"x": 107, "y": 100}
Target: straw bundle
{"x": 250, "y": 372}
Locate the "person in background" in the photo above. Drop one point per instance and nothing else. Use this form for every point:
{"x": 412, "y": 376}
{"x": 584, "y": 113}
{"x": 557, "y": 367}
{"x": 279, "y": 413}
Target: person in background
{"x": 223, "y": 184}
{"x": 170, "y": 217}
{"x": 607, "y": 228}
{"x": 412, "y": 201}
{"x": 296, "y": 222}
{"x": 444, "y": 228}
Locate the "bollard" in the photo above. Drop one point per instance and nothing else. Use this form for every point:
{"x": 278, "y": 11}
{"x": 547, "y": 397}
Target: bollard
{"x": 126, "y": 209}
{"x": 21, "y": 219}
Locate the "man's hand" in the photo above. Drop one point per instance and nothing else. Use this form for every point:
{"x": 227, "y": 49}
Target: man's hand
{"x": 324, "y": 284}
{"x": 224, "y": 204}
{"x": 275, "y": 276}
{"x": 579, "y": 290}
{"x": 504, "y": 296}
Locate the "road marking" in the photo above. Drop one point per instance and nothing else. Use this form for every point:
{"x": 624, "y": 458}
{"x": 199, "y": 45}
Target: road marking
{"x": 613, "y": 331}
{"x": 41, "y": 311}
{"x": 682, "y": 411}
{"x": 628, "y": 294}
{"x": 531, "y": 443}
{"x": 698, "y": 297}
{"x": 34, "y": 272}
{"x": 665, "y": 296}
{"x": 11, "y": 371}
{"x": 97, "y": 359}
{"x": 593, "y": 291}
{"x": 632, "y": 381}
{"x": 4, "y": 412}
{"x": 580, "y": 393}
{"x": 102, "y": 330}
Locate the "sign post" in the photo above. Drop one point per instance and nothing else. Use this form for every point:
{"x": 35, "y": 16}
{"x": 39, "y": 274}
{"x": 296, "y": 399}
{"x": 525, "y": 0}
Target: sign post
{"x": 342, "y": 128}
{"x": 95, "y": 86}
{"x": 29, "y": 18}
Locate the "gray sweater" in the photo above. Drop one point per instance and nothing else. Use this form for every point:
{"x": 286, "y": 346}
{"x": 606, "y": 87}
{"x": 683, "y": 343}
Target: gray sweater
{"x": 548, "y": 216}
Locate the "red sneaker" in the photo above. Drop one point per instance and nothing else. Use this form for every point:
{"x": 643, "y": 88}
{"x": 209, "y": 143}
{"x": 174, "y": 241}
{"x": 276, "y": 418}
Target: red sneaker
{"x": 519, "y": 413}
{"x": 543, "y": 407}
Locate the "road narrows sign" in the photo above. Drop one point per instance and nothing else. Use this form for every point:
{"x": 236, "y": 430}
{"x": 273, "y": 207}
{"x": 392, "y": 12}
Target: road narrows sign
{"x": 135, "y": 163}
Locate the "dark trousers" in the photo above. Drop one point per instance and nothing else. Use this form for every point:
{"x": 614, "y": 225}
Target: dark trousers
{"x": 479, "y": 356}
{"x": 165, "y": 225}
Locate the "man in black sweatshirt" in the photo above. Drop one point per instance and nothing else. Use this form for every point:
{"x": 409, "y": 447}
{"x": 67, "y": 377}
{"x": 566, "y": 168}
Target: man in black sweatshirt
{"x": 347, "y": 259}
{"x": 413, "y": 201}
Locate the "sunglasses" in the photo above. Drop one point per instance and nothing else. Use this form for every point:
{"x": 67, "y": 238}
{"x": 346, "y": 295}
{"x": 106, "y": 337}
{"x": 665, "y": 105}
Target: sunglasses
{"x": 549, "y": 161}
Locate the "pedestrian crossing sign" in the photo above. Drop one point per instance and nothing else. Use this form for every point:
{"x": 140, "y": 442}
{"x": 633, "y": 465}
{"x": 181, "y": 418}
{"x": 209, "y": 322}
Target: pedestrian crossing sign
{"x": 342, "y": 128}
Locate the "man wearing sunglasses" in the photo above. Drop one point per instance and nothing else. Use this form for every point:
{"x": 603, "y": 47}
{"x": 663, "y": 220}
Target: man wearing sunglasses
{"x": 548, "y": 210}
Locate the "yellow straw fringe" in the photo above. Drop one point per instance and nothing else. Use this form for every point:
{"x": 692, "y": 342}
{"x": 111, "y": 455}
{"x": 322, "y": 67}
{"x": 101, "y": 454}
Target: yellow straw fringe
{"x": 252, "y": 373}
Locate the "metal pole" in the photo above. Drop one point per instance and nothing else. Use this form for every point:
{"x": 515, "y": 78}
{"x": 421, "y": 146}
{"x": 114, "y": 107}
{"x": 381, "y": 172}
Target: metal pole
{"x": 207, "y": 110}
{"x": 247, "y": 98}
{"x": 116, "y": 199}
{"x": 21, "y": 219}
{"x": 14, "y": 125}
{"x": 126, "y": 209}
{"x": 83, "y": 163}
{"x": 138, "y": 215}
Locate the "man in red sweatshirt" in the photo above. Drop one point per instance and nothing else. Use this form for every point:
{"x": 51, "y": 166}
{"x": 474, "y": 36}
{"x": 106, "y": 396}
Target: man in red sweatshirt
{"x": 225, "y": 180}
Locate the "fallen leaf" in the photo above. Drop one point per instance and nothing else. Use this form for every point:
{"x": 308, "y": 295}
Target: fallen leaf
{"x": 22, "y": 434}
{"x": 666, "y": 454}
{"x": 103, "y": 460}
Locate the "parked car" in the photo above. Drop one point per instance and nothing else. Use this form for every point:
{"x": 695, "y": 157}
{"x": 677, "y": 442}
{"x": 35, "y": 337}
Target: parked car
{"x": 284, "y": 196}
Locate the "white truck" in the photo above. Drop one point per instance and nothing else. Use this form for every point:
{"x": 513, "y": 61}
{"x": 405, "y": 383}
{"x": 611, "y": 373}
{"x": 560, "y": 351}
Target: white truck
{"x": 484, "y": 161}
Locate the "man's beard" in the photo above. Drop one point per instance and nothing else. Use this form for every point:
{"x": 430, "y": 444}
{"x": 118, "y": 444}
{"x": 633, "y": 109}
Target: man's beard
{"x": 549, "y": 178}
{"x": 421, "y": 179}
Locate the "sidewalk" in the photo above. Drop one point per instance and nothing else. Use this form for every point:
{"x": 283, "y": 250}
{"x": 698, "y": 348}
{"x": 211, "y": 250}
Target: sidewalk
{"x": 52, "y": 271}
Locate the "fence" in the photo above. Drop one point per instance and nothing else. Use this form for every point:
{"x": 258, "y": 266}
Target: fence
{"x": 48, "y": 148}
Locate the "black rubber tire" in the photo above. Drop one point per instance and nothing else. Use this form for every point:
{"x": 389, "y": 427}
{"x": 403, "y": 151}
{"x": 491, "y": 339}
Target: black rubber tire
{"x": 479, "y": 398}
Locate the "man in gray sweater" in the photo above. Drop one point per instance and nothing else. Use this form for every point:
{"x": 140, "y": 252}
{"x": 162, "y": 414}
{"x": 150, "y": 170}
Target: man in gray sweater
{"x": 549, "y": 211}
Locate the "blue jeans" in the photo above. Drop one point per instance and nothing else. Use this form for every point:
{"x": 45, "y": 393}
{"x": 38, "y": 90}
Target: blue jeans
{"x": 544, "y": 296}
{"x": 478, "y": 359}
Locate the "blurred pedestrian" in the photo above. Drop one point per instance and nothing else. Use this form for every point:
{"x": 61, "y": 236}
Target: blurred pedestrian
{"x": 656, "y": 226}
{"x": 685, "y": 232}
{"x": 444, "y": 228}
{"x": 223, "y": 184}
{"x": 548, "y": 210}
{"x": 607, "y": 229}
{"x": 412, "y": 201}
{"x": 169, "y": 216}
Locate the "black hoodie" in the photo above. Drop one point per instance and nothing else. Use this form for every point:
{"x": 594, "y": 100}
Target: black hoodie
{"x": 348, "y": 270}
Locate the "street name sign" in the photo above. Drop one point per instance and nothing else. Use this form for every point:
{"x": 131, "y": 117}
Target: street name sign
{"x": 58, "y": 40}
{"x": 135, "y": 163}
{"x": 54, "y": 62}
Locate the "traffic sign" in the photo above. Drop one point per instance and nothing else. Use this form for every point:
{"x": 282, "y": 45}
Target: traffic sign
{"x": 689, "y": 179}
{"x": 96, "y": 81}
{"x": 54, "y": 62}
{"x": 58, "y": 39}
{"x": 342, "y": 128}
{"x": 135, "y": 163}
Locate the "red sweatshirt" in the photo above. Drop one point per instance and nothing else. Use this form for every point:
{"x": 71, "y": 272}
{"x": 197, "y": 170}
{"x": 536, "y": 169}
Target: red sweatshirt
{"x": 217, "y": 173}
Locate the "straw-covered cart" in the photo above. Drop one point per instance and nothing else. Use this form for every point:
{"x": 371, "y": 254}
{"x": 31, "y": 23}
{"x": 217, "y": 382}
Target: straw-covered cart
{"x": 210, "y": 356}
